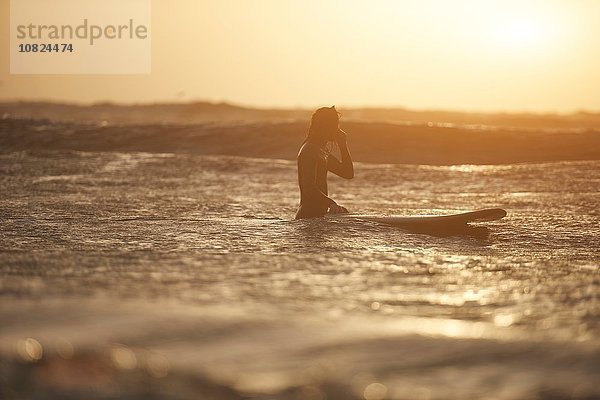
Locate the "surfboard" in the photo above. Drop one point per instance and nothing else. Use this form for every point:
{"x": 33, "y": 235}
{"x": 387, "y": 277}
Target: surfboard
{"x": 435, "y": 224}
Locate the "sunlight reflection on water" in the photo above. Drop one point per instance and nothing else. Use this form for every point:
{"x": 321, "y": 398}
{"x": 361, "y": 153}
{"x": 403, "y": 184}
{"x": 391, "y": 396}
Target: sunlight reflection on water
{"x": 215, "y": 231}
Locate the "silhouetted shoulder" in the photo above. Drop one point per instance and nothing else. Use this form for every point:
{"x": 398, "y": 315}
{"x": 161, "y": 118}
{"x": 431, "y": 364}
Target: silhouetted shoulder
{"x": 309, "y": 151}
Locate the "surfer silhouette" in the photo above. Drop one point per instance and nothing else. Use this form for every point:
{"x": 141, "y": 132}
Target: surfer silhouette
{"x": 315, "y": 160}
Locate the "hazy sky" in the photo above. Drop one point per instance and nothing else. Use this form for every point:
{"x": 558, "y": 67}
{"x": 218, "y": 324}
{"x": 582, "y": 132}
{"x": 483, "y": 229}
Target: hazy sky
{"x": 510, "y": 55}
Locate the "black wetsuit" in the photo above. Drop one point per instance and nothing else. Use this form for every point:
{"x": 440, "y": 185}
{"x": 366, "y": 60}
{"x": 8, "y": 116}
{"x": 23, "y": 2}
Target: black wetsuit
{"x": 312, "y": 204}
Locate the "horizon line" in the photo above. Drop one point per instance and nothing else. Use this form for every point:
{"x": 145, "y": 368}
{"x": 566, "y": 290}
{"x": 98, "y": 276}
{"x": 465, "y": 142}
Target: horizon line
{"x": 297, "y": 108}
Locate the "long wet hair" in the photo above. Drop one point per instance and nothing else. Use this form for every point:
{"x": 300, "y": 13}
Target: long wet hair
{"x": 322, "y": 122}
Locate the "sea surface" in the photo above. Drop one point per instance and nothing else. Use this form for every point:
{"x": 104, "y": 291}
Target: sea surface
{"x": 147, "y": 275}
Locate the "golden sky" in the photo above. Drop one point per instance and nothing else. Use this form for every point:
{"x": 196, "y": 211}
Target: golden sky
{"x": 504, "y": 55}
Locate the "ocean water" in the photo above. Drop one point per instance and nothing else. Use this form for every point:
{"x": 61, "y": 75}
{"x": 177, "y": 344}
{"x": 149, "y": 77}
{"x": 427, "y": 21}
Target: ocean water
{"x": 148, "y": 275}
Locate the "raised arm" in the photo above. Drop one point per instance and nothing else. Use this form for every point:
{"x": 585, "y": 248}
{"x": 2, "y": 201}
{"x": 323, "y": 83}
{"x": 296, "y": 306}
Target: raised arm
{"x": 345, "y": 168}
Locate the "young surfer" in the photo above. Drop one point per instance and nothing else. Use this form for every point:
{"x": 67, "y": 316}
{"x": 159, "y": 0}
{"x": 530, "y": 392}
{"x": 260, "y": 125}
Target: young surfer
{"x": 314, "y": 160}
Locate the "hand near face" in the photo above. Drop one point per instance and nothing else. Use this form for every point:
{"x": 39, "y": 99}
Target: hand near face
{"x": 340, "y": 136}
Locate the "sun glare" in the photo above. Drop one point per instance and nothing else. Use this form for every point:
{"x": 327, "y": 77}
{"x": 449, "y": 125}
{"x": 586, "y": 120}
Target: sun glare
{"x": 425, "y": 53}
{"x": 521, "y": 33}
